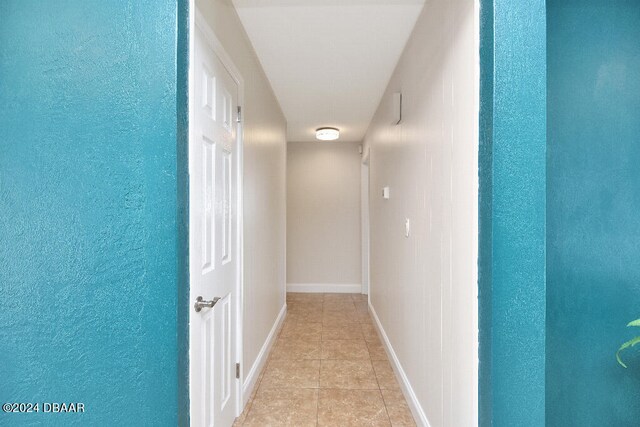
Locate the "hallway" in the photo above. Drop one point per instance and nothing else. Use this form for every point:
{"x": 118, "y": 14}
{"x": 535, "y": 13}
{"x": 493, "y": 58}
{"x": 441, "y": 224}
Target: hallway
{"x": 194, "y": 194}
{"x": 327, "y": 368}
{"x": 212, "y": 184}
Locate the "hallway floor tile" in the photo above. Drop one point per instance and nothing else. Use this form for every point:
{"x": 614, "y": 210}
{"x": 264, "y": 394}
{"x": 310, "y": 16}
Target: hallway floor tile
{"x": 327, "y": 368}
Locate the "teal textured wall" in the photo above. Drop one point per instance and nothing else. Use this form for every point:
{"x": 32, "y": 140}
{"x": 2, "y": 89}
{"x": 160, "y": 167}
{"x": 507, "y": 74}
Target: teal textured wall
{"x": 91, "y": 157}
{"x": 184, "y": 306}
{"x": 512, "y": 213}
{"x": 485, "y": 200}
{"x": 593, "y": 211}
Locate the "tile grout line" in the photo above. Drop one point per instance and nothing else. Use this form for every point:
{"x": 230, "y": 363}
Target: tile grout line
{"x": 384, "y": 403}
{"x": 320, "y": 370}
{"x": 253, "y": 395}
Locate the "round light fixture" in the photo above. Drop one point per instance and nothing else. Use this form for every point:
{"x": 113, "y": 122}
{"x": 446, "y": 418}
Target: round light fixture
{"x": 327, "y": 134}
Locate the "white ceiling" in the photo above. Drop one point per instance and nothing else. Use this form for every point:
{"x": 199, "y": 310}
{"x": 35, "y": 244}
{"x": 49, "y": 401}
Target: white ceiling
{"x": 328, "y": 61}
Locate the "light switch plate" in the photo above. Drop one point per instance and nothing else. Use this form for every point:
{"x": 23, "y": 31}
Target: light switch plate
{"x": 407, "y": 227}
{"x": 385, "y": 193}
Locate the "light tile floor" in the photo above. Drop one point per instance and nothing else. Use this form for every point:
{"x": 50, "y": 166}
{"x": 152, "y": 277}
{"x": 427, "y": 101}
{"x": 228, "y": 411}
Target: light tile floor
{"x": 327, "y": 368}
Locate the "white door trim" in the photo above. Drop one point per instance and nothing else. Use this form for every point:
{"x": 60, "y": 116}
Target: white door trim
{"x": 365, "y": 220}
{"x": 197, "y": 18}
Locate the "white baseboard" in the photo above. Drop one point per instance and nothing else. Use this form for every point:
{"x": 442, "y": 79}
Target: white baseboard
{"x": 254, "y": 373}
{"x": 417, "y": 411}
{"x": 337, "y": 288}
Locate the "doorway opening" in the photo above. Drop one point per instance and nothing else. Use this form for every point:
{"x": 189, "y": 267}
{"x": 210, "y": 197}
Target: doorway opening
{"x": 364, "y": 185}
{"x": 341, "y": 261}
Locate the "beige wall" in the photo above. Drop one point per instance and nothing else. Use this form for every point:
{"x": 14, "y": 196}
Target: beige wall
{"x": 424, "y": 288}
{"x": 323, "y": 214}
{"x": 264, "y": 183}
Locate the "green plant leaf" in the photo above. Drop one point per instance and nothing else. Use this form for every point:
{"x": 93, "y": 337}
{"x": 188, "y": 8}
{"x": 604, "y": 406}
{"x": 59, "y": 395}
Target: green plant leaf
{"x": 628, "y": 344}
{"x": 634, "y": 323}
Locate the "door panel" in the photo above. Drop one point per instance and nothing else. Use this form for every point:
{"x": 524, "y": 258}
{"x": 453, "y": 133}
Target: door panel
{"x": 208, "y": 188}
{"x": 213, "y": 236}
{"x": 226, "y": 210}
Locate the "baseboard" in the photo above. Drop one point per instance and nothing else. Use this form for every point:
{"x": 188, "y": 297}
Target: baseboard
{"x": 416, "y": 409}
{"x": 337, "y": 288}
{"x": 254, "y": 373}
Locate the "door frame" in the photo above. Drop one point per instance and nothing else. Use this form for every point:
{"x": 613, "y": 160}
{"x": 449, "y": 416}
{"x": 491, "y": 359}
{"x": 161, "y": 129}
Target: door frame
{"x": 197, "y": 18}
{"x": 365, "y": 219}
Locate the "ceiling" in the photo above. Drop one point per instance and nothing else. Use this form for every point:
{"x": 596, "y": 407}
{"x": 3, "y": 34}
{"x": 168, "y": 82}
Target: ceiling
{"x": 329, "y": 61}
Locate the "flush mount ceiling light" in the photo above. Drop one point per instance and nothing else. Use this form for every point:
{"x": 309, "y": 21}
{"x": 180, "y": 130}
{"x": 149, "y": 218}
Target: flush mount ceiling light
{"x": 327, "y": 134}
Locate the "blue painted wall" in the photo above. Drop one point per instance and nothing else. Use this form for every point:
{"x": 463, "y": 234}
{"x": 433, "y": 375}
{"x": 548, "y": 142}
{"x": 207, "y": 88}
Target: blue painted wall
{"x": 485, "y": 202}
{"x": 512, "y": 213}
{"x": 184, "y": 305}
{"x": 593, "y": 211}
{"x": 92, "y": 253}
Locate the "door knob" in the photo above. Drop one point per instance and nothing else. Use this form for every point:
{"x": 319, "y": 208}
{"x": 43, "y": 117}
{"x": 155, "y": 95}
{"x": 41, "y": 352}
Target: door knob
{"x": 200, "y": 304}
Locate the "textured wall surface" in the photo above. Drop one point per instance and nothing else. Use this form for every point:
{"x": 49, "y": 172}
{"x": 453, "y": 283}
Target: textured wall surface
{"x": 593, "y": 205}
{"x": 182, "y": 129}
{"x": 513, "y": 321}
{"x": 424, "y": 287}
{"x": 88, "y": 210}
{"x": 323, "y": 213}
{"x": 485, "y": 213}
{"x": 265, "y": 169}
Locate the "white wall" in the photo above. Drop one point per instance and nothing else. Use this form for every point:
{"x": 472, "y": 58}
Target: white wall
{"x": 264, "y": 184}
{"x": 323, "y": 217}
{"x": 424, "y": 288}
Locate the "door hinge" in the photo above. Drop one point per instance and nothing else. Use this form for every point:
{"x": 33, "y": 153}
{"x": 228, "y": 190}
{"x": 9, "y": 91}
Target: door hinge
{"x": 237, "y": 371}
{"x": 239, "y": 114}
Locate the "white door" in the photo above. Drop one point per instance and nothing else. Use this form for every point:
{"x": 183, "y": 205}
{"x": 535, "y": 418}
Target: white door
{"x": 213, "y": 237}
